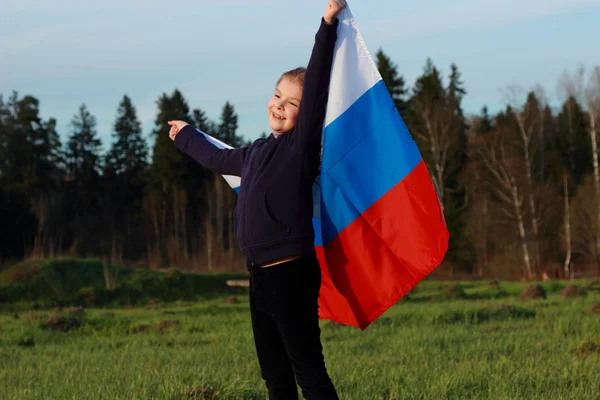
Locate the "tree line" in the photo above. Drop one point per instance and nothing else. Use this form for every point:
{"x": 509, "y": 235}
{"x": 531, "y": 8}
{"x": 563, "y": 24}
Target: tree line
{"x": 520, "y": 189}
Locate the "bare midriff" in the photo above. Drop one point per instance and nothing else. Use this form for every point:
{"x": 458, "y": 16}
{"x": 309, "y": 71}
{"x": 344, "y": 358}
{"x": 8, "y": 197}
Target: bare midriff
{"x": 278, "y": 261}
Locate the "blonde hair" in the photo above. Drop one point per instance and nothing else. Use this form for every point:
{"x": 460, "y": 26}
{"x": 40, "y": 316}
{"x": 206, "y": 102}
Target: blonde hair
{"x": 296, "y": 74}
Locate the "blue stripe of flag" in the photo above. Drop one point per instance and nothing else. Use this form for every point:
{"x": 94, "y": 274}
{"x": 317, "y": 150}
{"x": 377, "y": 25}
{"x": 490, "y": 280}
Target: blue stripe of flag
{"x": 367, "y": 151}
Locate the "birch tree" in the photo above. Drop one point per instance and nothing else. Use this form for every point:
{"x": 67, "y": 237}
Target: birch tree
{"x": 573, "y": 89}
{"x": 500, "y": 163}
{"x": 528, "y": 119}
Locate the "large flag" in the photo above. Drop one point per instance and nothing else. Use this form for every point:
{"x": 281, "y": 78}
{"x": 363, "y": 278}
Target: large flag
{"x": 379, "y": 227}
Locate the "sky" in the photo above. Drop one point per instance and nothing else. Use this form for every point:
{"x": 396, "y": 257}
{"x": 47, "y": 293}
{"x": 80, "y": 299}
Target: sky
{"x": 67, "y": 52}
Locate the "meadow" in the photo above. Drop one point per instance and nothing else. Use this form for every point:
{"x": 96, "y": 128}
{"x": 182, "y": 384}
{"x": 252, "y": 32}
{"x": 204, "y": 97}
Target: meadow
{"x": 170, "y": 335}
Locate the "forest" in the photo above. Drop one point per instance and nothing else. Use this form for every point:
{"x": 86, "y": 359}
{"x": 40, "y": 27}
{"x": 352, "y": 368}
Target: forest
{"x": 520, "y": 189}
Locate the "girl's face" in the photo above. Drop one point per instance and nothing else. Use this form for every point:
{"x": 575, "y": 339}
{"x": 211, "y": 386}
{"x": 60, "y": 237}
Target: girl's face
{"x": 283, "y": 107}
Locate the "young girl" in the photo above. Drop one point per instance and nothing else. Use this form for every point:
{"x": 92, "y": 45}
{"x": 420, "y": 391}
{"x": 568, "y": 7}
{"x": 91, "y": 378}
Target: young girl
{"x": 273, "y": 219}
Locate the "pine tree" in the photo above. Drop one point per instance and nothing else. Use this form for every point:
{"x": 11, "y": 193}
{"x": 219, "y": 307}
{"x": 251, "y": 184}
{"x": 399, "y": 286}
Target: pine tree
{"x": 83, "y": 200}
{"x": 129, "y": 150}
{"x": 169, "y": 165}
{"x": 486, "y": 123}
{"x": 455, "y": 93}
{"x": 178, "y": 196}
{"x": 228, "y": 126}
{"x": 83, "y": 147}
{"x": 456, "y": 90}
{"x": 431, "y": 123}
{"x": 29, "y": 175}
{"x": 125, "y": 179}
{"x": 548, "y": 131}
{"x": 393, "y": 80}
{"x": 437, "y": 123}
{"x": 572, "y": 140}
{"x": 202, "y": 122}
{"x": 571, "y": 158}
{"x": 31, "y": 146}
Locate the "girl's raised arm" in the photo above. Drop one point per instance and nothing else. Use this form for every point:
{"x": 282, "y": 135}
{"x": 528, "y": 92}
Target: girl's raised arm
{"x": 311, "y": 114}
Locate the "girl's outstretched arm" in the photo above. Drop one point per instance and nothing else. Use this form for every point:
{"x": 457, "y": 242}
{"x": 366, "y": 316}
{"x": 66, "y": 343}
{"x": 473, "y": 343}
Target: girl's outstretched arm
{"x": 311, "y": 114}
{"x": 194, "y": 144}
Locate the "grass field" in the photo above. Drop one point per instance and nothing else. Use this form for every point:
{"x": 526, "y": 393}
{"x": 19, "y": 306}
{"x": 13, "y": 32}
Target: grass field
{"x": 473, "y": 341}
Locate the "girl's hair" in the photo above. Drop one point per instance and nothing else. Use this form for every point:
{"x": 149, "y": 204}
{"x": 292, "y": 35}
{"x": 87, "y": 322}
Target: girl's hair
{"x": 296, "y": 74}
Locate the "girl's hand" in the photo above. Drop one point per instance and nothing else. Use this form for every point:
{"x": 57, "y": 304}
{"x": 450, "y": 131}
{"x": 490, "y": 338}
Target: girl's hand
{"x": 176, "y": 126}
{"x": 334, "y": 8}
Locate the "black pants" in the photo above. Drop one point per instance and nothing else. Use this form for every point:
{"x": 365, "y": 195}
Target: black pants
{"x": 285, "y": 322}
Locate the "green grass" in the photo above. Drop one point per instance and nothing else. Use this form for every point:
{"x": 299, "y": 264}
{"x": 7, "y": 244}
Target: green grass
{"x": 476, "y": 341}
{"x": 72, "y": 281}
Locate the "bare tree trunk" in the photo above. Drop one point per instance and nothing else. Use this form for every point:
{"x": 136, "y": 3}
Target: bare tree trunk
{"x": 525, "y": 143}
{"x": 594, "y": 140}
{"x": 209, "y": 234}
{"x": 231, "y": 237}
{"x": 165, "y": 235}
{"x": 209, "y": 227}
{"x": 156, "y": 224}
{"x": 438, "y": 137}
{"x": 110, "y": 275}
{"x": 180, "y": 223}
{"x": 40, "y": 238}
{"x": 153, "y": 208}
{"x": 37, "y": 240}
{"x": 542, "y": 167}
{"x": 439, "y": 144}
{"x": 567, "y": 224}
{"x": 128, "y": 241}
{"x": 505, "y": 187}
{"x": 220, "y": 212}
{"x": 184, "y": 229}
{"x": 176, "y": 215}
{"x": 521, "y": 227}
{"x": 593, "y": 101}
{"x": 484, "y": 247}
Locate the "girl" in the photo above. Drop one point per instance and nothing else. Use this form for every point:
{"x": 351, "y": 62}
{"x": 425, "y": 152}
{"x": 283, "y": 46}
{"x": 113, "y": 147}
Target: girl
{"x": 273, "y": 218}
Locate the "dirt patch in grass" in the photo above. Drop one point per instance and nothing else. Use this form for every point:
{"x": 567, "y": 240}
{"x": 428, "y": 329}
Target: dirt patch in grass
{"x": 453, "y": 291}
{"x": 203, "y": 393}
{"x": 595, "y": 309}
{"x": 62, "y": 323}
{"x": 152, "y": 303}
{"x": 573, "y": 291}
{"x": 36, "y": 317}
{"x": 77, "y": 312}
{"x": 495, "y": 284}
{"x": 593, "y": 286}
{"x": 22, "y": 273}
{"x": 142, "y": 328}
{"x": 587, "y": 348}
{"x": 161, "y": 327}
{"x": 533, "y": 292}
{"x": 88, "y": 296}
{"x": 232, "y": 300}
{"x": 595, "y": 282}
{"x": 167, "y": 325}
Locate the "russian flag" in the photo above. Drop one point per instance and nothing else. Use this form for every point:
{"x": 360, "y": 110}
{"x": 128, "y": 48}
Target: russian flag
{"x": 379, "y": 227}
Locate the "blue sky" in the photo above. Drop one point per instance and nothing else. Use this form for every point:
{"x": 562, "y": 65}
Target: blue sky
{"x": 68, "y": 52}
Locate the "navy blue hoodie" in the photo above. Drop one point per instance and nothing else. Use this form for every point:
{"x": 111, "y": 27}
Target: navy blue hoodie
{"x": 273, "y": 214}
